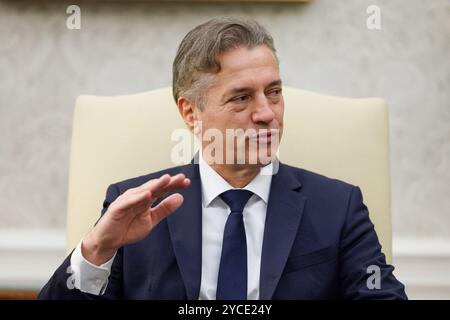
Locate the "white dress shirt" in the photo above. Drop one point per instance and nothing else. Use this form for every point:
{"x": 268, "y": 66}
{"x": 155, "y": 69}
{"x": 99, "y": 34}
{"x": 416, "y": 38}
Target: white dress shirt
{"x": 93, "y": 279}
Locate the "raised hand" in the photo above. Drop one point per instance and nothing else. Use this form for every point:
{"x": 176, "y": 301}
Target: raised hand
{"x": 131, "y": 217}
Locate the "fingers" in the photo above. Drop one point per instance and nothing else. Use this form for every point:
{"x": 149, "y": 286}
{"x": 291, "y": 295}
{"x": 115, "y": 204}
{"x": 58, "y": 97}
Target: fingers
{"x": 162, "y": 185}
{"x": 178, "y": 181}
{"x": 154, "y": 183}
{"x": 134, "y": 200}
{"x": 166, "y": 207}
{"x": 138, "y": 200}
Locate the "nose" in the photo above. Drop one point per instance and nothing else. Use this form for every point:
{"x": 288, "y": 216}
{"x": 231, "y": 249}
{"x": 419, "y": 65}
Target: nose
{"x": 264, "y": 113}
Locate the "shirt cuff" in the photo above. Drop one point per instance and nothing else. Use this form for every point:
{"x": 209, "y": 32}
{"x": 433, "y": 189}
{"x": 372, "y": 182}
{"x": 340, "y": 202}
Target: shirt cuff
{"x": 88, "y": 277}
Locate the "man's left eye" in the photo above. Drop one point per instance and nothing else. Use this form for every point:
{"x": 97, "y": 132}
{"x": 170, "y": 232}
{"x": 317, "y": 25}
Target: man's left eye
{"x": 242, "y": 98}
{"x": 275, "y": 92}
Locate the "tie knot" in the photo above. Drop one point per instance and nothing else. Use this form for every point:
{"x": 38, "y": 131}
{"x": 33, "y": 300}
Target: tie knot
{"x": 236, "y": 199}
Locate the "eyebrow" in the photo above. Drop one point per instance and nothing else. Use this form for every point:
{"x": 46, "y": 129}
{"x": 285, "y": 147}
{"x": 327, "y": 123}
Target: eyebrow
{"x": 238, "y": 90}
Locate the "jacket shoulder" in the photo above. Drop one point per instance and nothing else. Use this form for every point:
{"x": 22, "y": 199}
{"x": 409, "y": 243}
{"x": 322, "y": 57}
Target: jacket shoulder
{"x": 313, "y": 182}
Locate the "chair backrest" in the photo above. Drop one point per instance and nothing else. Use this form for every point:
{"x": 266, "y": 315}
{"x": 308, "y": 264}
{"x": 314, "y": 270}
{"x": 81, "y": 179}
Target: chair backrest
{"x": 115, "y": 138}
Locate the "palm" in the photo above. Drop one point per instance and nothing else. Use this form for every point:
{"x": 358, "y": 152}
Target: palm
{"x": 130, "y": 217}
{"x": 138, "y": 228}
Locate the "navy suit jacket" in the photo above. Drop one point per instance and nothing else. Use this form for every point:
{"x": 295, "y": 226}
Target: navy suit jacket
{"x": 318, "y": 244}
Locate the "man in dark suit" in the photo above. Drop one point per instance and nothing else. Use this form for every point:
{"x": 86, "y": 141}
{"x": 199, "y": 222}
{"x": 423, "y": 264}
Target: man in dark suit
{"x": 235, "y": 223}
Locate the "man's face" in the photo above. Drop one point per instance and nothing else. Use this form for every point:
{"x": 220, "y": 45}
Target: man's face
{"x": 246, "y": 95}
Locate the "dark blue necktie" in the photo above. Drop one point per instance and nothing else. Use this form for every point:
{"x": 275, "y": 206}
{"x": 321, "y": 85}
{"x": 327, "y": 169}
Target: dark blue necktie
{"x": 232, "y": 281}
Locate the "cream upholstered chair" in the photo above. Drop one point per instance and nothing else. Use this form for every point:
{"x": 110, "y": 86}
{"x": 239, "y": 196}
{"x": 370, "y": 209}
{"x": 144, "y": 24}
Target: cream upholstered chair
{"x": 120, "y": 137}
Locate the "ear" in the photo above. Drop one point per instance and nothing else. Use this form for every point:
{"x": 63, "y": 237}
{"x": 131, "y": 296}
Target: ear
{"x": 186, "y": 108}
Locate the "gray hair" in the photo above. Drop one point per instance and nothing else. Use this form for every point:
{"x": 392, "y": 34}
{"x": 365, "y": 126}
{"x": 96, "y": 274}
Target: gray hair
{"x": 196, "y": 61}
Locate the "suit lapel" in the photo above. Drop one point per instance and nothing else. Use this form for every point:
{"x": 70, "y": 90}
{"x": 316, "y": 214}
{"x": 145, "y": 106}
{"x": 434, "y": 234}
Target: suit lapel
{"x": 185, "y": 228}
{"x": 284, "y": 212}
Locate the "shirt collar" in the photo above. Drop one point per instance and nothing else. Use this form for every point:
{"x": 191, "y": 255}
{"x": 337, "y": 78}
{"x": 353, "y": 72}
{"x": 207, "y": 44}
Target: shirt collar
{"x": 213, "y": 184}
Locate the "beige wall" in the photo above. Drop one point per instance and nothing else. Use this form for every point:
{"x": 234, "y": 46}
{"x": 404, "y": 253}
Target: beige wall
{"x": 323, "y": 46}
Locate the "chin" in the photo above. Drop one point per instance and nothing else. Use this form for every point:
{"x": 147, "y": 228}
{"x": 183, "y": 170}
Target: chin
{"x": 261, "y": 161}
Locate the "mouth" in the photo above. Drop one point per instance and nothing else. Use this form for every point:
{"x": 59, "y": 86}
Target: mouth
{"x": 265, "y": 136}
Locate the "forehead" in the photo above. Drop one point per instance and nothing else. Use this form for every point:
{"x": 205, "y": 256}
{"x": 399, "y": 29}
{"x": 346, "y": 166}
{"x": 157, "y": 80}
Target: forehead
{"x": 247, "y": 66}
